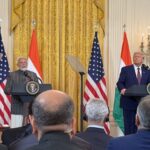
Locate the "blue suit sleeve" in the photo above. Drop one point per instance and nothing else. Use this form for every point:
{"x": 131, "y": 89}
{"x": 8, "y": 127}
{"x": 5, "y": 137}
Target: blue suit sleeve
{"x": 122, "y": 79}
{"x": 110, "y": 146}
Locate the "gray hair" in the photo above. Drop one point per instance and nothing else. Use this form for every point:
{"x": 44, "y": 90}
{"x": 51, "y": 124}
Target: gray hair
{"x": 61, "y": 115}
{"x": 96, "y": 110}
{"x": 143, "y": 111}
{"x": 19, "y": 58}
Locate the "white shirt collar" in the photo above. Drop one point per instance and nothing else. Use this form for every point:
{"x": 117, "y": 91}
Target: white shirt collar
{"x": 95, "y": 126}
{"x": 135, "y": 67}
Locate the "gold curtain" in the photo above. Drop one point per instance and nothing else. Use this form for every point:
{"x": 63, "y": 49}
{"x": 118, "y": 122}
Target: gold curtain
{"x": 64, "y": 27}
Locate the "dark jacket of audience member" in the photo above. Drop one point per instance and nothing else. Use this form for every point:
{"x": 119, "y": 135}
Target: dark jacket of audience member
{"x": 26, "y": 139}
{"x": 141, "y": 139}
{"x": 96, "y": 111}
{"x": 52, "y": 121}
{"x": 23, "y": 143}
{"x": 3, "y": 147}
{"x": 11, "y": 134}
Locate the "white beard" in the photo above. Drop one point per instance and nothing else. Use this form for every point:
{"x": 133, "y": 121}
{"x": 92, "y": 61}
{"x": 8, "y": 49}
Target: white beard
{"x": 23, "y": 69}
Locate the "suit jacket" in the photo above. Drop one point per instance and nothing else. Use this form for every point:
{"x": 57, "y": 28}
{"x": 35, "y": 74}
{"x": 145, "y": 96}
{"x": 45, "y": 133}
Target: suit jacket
{"x": 3, "y": 147}
{"x": 138, "y": 141}
{"x": 23, "y": 143}
{"x": 127, "y": 79}
{"x": 55, "y": 141}
{"x": 96, "y": 137}
{"x": 84, "y": 145}
{"x": 14, "y": 79}
{"x": 12, "y": 134}
{"x": 31, "y": 140}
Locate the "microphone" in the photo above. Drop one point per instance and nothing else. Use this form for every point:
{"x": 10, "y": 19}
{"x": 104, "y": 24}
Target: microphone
{"x": 31, "y": 79}
{"x": 145, "y": 67}
{"x": 28, "y": 76}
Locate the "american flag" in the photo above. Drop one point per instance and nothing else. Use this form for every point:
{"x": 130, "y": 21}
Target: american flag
{"x": 5, "y": 100}
{"x": 95, "y": 86}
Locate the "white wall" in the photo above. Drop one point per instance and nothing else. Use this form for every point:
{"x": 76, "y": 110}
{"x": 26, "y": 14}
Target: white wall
{"x": 5, "y": 28}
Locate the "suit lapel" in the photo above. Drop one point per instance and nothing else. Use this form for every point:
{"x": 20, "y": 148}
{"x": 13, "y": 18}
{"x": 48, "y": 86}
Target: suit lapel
{"x": 143, "y": 75}
{"x": 132, "y": 72}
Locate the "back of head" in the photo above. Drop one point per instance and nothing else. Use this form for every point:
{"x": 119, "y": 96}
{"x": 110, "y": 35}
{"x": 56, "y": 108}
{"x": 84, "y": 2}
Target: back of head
{"x": 52, "y": 107}
{"x": 143, "y": 112}
{"x": 96, "y": 110}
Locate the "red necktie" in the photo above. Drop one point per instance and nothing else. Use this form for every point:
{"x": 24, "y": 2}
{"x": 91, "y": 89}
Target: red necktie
{"x": 138, "y": 75}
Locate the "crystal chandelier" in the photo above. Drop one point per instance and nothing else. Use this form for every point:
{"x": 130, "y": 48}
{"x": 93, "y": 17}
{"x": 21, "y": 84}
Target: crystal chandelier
{"x": 146, "y": 48}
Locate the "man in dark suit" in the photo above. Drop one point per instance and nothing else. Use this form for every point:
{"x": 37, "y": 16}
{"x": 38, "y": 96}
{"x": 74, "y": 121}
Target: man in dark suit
{"x": 23, "y": 143}
{"x": 3, "y": 147}
{"x": 134, "y": 74}
{"x": 15, "y": 79}
{"x": 11, "y": 134}
{"x": 96, "y": 111}
{"x": 25, "y": 139}
{"x": 141, "y": 139}
{"x": 52, "y": 121}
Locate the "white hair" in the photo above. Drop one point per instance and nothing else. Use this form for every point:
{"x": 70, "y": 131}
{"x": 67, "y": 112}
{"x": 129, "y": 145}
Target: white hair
{"x": 143, "y": 111}
{"x": 96, "y": 110}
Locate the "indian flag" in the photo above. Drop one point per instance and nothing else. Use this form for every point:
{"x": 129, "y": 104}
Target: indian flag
{"x": 33, "y": 59}
{"x": 125, "y": 60}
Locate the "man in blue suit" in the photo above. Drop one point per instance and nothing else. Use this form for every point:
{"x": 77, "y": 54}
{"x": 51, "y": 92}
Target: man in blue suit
{"x": 141, "y": 139}
{"x": 134, "y": 74}
{"x": 96, "y": 111}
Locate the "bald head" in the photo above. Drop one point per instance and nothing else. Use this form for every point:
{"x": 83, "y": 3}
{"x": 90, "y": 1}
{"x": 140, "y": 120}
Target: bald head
{"x": 52, "y": 107}
{"x": 52, "y": 99}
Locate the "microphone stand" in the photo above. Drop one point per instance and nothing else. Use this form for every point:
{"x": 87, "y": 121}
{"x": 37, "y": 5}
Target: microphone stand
{"x": 81, "y": 100}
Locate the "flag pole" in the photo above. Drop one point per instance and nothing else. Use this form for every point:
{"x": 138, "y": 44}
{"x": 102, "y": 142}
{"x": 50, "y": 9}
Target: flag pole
{"x": 124, "y": 27}
{"x": 81, "y": 100}
{"x": 0, "y": 24}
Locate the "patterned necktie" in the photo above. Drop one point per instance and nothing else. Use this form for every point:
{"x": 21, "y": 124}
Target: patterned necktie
{"x": 138, "y": 75}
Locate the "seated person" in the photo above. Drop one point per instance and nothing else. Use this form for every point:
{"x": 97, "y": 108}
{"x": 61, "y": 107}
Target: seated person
{"x": 96, "y": 112}
{"x": 141, "y": 139}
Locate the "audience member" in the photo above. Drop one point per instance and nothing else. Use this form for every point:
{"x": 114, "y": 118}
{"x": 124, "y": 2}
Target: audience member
{"x": 23, "y": 143}
{"x": 141, "y": 139}
{"x": 11, "y": 134}
{"x": 25, "y": 139}
{"x": 52, "y": 121}
{"x": 96, "y": 112}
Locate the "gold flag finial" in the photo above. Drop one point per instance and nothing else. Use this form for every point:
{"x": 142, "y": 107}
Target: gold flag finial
{"x": 124, "y": 27}
{"x": 33, "y": 23}
{"x": 1, "y": 21}
{"x": 96, "y": 26}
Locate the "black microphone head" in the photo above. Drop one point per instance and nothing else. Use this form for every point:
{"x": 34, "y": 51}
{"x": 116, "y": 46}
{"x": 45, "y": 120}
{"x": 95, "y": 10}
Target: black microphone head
{"x": 145, "y": 66}
{"x": 25, "y": 73}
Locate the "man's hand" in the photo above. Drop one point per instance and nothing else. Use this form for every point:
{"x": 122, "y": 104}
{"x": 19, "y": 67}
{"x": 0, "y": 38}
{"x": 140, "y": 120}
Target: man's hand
{"x": 123, "y": 91}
